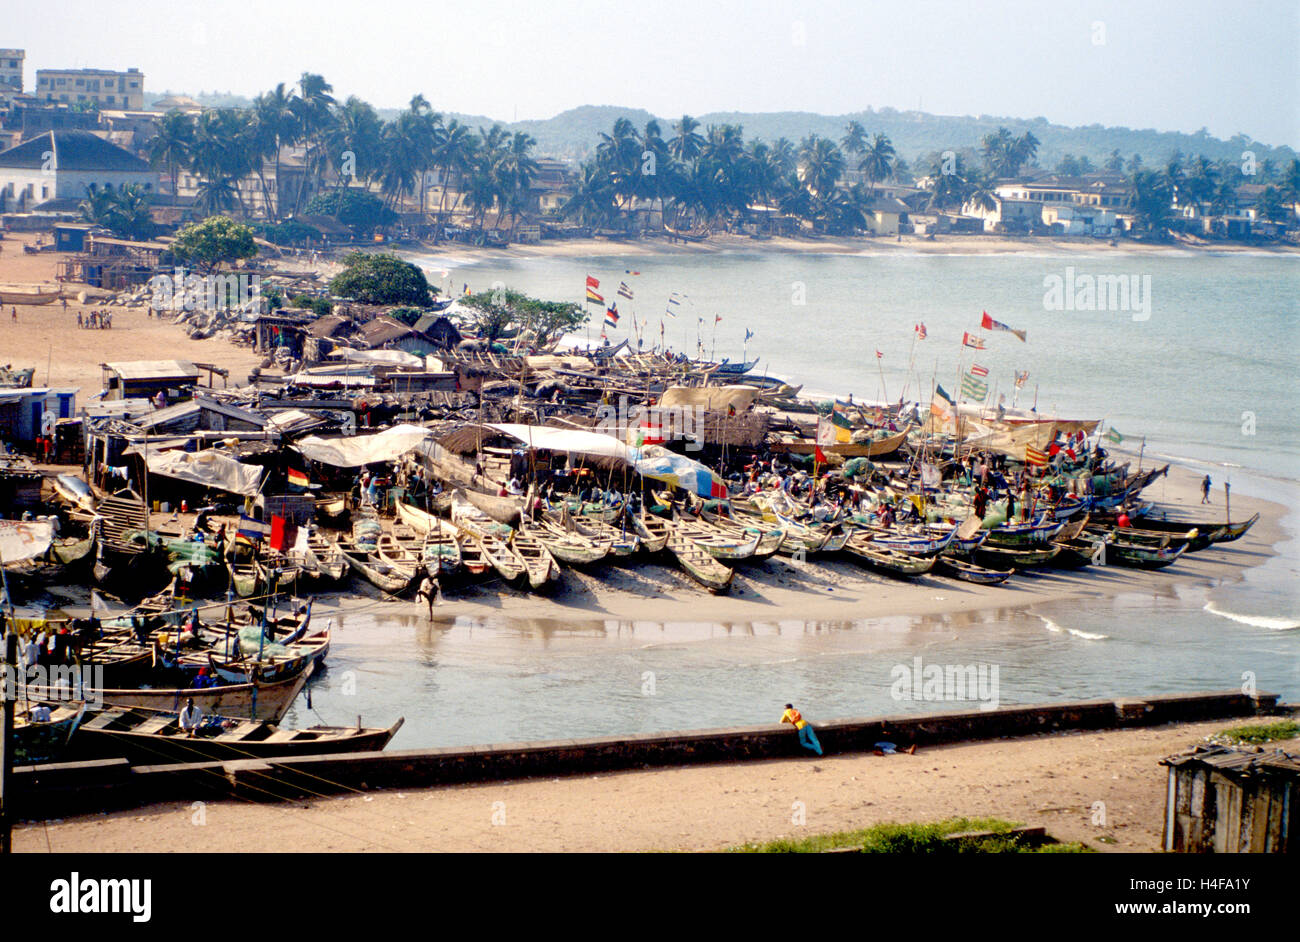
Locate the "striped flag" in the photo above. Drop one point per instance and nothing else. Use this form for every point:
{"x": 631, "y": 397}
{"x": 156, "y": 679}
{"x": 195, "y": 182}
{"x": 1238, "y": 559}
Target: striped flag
{"x": 1112, "y": 434}
{"x": 989, "y": 323}
{"x": 941, "y": 406}
{"x": 970, "y": 340}
{"x": 611, "y": 315}
{"x": 717, "y": 318}
{"x": 298, "y": 478}
{"x": 1035, "y": 457}
{"x": 673, "y": 301}
{"x": 628, "y": 271}
{"x": 250, "y": 529}
{"x": 593, "y": 297}
{"x": 977, "y": 370}
{"x": 624, "y": 291}
{"x": 920, "y": 331}
{"x": 973, "y": 388}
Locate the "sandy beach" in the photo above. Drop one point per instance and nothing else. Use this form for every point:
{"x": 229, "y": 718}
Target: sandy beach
{"x": 1106, "y": 790}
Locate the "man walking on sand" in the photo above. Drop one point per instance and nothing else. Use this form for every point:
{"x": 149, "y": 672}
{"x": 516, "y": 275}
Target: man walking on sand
{"x": 1205, "y": 490}
{"x": 807, "y": 738}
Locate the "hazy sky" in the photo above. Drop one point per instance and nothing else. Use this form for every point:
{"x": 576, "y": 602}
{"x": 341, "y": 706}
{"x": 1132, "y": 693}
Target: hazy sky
{"x": 1165, "y": 64}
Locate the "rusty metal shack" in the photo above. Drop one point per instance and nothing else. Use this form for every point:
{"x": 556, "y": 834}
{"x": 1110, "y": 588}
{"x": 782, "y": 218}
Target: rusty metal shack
{"x": 1224, "y": 800}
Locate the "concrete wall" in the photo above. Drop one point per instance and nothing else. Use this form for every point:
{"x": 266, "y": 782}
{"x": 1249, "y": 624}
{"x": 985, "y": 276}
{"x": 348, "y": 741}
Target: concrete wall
{"x": 82, "y": 787}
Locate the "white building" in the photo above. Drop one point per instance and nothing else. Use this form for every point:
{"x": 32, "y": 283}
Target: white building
{"x": 11, "y": 71}
{"x": 61, "y": 165}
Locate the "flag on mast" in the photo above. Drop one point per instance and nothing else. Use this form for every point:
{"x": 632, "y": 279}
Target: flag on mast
{"x": 673, "y": 301}
{"x": 920, "y": 331}
{"x": 970, "y": 340}
{"x": 989, "y": 323}
{"x": 611, "y": 315}
{"x": 624, "y": 291}
{"x": 977, "y": 370}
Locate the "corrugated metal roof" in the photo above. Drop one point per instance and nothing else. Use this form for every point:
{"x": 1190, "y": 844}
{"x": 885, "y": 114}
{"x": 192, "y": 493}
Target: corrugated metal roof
{"x": 154, "y": 369}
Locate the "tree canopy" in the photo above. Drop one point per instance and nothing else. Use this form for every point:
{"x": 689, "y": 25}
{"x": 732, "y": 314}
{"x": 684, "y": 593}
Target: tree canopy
{"x": 500, "y": 310}
{"x": 354, "y": 207}
{"x": 216, "y": 241}
{"x": 381, "y": 279}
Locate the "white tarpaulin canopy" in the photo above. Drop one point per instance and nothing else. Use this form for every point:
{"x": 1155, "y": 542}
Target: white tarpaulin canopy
{"x": 389, "y": 357}
{"x": 574, "y": 441}
{"x": 210, "y": 468}
{"x": 358, "y": 450}
{"x": 26, "y": 539}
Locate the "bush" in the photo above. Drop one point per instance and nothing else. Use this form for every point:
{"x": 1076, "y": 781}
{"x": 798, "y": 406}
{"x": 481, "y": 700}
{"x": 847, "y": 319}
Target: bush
{"x": 354, "y": 207}
{"x": 290, "y": 232}
{"x": 319, "y": 306}
{"x": 213, "y": 242}
{"x": 381, "y": 279}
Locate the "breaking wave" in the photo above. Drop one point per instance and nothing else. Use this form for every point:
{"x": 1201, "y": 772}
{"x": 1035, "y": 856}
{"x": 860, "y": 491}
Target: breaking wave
{"x": 1257, "y": 621}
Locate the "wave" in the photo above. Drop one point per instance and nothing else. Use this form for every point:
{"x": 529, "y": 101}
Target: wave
{"x": 1257, "y": 621}
{"x": 1085, "y": 635}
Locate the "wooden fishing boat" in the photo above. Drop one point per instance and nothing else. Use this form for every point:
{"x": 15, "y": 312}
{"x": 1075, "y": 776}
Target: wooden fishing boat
{"x": 442, "y": 554}
{"x": 401, "y": 558}
{"x": 505, "y": 510}
{"x": 900, "y": 565}
{"x": 334, "y": 506}
{"x": 968, "y": 572}
{"x": 154, "y": 737}
{"x": 729, "y": 548}
{"x": 653, "y": 531}
{"x": 491, "y": 537}
{"x": 1138, "y": 556}
{"x": 913, "y": 543}
{"x": 1003, "y": 557}
{"x": 622, "y": 539}
{"x": 876, "y": 449}
{"x": 271, "y": 663}
{"x": 1024, "y": 535}
{"x": 472, "y": 558}
{"x": 542, "y": 569}
{"x": 568, "y": 546}
{"x": 697, "y": 562}
{"x": 72, "y": 549}
{"x": 277, "y": 574}
{"x": 36, "y": 741}
{"x": 324, "y": 560}
{"x": 74, "y": 492}
{"x": 31, "y": 294}
{"x": 244, "y": 577}
{"x": 364, "y": 561}
{"x": 1074, "y": 553}
{"x": 269, "y": 701}
{"x": 769, "y": 538}
{"x": 1235, "y": 531}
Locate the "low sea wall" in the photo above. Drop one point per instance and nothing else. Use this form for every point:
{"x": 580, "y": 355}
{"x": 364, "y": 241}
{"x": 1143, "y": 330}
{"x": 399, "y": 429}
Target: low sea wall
{"x": 64, "y": 789}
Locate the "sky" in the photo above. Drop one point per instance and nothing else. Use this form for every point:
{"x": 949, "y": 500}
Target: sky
{"x": 1171, "y": 65}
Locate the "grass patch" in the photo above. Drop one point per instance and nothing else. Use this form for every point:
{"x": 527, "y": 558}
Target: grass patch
{"x": 913, "y": 839}
{"x": 1258, "y": 735}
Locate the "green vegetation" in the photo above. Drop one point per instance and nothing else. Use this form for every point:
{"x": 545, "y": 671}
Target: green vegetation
{"x": 216, "y": 241}
{"x": 289, "y": 232}
{"x": 500, "y": 310}
{"x": 914, "y": 839}
{"x": 354, "y": 207}
{"x": 381, "y": 279}
{"x": 319, "y": 306}
{"x": 1258, "y": 735}
{"x": 124, "y": 211}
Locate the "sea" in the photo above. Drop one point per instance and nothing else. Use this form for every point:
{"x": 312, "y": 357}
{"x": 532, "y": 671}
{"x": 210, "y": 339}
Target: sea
{"x": 1193, "y": 357}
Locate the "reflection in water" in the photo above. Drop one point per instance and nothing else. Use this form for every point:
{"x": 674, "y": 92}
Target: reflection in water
{"x": 474, "y": 680}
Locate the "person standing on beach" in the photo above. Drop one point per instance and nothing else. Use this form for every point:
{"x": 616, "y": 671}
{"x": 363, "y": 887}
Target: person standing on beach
{"x": 1205, "y": 490}
{"x": 807, "y": 737}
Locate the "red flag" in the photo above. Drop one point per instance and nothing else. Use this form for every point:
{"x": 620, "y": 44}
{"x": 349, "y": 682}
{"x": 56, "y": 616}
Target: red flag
{"x": 277, "y": 533}
{"x": 879, "y": 355}
{"x": 970, "y": 340}
{"x": 592, "y": 282}
{"x": 818, "y": 455}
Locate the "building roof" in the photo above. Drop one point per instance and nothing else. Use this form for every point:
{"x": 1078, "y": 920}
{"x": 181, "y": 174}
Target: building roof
{"x": 73, "y": 150}
{"x": 384, "y": 330}
{"x": 154, "y": 369}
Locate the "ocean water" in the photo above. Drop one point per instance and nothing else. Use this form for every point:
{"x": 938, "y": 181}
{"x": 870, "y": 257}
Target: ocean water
{"x": 1205, "y": 375}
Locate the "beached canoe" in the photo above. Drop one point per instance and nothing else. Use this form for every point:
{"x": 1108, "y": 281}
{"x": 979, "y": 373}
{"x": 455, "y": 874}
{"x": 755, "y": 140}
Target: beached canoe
{"x": 956, "y": 568}
{"x": 900, "y": 565}
{"x": 568, "y": 546}
{"x": 621, "y": 536}
{"x": 730, "y": 548}
{"x": 653, "y": 531}
{"x": 253, "y": 700}
{"x": 697, "y": 562}
{"x": 1136, "y": 556}
{"x": 491, "y": 537}
{"x": 36, "y": 741}
{"x": 543, "y": 571}
{"x": 154, "y": 737}
{"x": 365, "y": 562}
{"x": 1002, "y": 557}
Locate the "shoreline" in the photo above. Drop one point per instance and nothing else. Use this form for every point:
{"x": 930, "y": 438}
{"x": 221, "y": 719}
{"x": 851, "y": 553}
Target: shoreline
{"x": 1105, "y": 789}
{"x": 724, "y": 243}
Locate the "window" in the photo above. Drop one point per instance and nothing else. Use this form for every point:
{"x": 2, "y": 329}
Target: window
{"x": 80, "y": 82}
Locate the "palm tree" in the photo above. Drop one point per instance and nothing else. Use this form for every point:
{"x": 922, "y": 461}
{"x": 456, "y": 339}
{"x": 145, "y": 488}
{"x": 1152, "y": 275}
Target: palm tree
{"x": 173, "y": 145}
{"x": 821, "y": 164}
{"x": 854, "y": 141}
{"x": 277, "y": 125}
{"x": 315, "y": 110}
{"x": 453, "y": 153}
{"x": 401, "y": 158}
{"x": 226, "y": 149}
{"x": 593, "y": 200}
{"x": 517, "y": 170}
{"x": 1269, "y": 205}
{"x": 358, "y": 131}
{"x": 878, "y": 160}
{"x": 619, "y": 155}
{"x": 686, "y": 142}
{"x": 1152, "y": 193}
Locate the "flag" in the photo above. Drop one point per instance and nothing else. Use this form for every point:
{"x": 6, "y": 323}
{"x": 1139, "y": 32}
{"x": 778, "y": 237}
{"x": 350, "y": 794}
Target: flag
{"x": 592, "y": 282}
{"x": 970, "y": 340}
{"x": 250, "y": 529}
{"x": 941, "y": 406}
{"x": 1021, "y": 379}
{"x": 1114, "y": 436}
{"x": 825, "y": 432}
{"x": 920, "y": 331}
{"x": 748, "y": 334}
{"x": 819, "y": 456}
{"x": 973, "y": 388}
{"x": 611, "y": 315}
{"x": 298, "y": 478}
{"x": 989, "y": 323}
{"x": 879, "y": 355}
{"x": 840, "y": 422}
{"x": 716, "y": 318}
{"x": 931, "y": 476}
{"x": 977, "y": 370}
{"x": 624, "y": 291}
{"x": 673, "y": 301}
{"x": 593, "y": 297}
{"x": 628, "y": 271}
{"x": 1035, "y": 457}
{"x": 282, "y": 533}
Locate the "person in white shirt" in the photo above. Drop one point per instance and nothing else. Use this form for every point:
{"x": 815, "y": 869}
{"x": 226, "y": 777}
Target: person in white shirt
{"x": 39, "y": 713}
{"x": 190, "y": 717}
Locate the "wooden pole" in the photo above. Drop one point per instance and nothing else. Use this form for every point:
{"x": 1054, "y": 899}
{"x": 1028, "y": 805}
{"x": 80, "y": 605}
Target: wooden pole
{"x": 10, "y": 682}
{"x": 1227, "y": 505}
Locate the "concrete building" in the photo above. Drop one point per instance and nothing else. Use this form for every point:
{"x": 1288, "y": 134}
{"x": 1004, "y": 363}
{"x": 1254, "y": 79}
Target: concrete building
{"x": 11, "y": 71}
{"x": 61, "y": 165}
{"x": 104, "y": 87}
{"x": 1008, "y": 215}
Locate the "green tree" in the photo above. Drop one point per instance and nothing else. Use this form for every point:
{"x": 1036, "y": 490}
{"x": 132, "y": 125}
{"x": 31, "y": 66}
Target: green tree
{"x": 1269, "y": 205}
{"x": 173, "y": 145}
{"x": 496, "y": 312}
{"x": 381, "y": 279}
{"x": 355, "y": 207}
{"x": 216, "y": 241}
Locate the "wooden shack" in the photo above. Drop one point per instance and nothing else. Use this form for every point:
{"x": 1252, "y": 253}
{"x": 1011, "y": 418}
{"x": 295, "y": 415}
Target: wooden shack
{"x": 1224, "y": 800}
{"x": 142, "y": 379}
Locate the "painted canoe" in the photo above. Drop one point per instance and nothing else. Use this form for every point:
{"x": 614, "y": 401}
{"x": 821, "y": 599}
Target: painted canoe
{"x": 1002, "y": 557}
{"x": 653, "y": 532}
{"x": 542, "y": 569}
{"x": 36, "y": 741}
{"x": 956, "y": 568}
{"x": 697, "y": 562}
{"x": 569, "y": 546}
{"x": 727, "y": 548}
{"x": 899, "y": 565}
{"x": 367, "y": 564}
